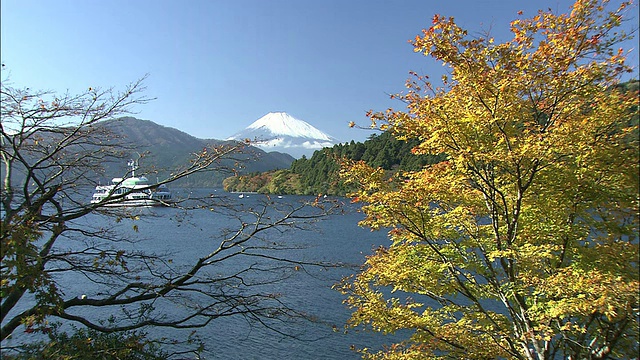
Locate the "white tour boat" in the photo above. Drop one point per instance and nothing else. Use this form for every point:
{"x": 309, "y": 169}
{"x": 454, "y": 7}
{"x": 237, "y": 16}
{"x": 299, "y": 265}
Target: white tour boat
{"x": 137, "y": 191}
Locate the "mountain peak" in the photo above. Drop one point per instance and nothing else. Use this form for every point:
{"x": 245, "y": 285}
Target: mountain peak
{"x": 281, "y": 123}
{"x": 279, "y": 131}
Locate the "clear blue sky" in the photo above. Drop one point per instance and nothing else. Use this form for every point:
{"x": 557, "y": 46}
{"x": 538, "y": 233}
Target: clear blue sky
{"x": 216, "y": 66}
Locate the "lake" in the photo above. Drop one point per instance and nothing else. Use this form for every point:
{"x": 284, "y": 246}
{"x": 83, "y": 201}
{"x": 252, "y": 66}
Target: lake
{"x": 186, "y": 236}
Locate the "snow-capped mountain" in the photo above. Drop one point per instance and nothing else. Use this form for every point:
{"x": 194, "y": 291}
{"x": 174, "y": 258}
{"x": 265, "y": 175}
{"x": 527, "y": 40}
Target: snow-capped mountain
{"x": 279, "y": 131}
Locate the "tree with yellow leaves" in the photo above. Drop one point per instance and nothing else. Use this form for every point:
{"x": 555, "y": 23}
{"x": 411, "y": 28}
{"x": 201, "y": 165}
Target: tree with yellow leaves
{"x": 523, "y": 243}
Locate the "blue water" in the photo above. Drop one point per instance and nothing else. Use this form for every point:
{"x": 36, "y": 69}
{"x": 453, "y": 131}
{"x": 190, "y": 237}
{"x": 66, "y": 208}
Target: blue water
{"x": 186, "y": 236}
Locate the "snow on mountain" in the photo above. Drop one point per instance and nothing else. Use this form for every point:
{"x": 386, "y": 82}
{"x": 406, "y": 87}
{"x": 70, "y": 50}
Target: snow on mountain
{"x": 279, "y": 131}
{"x": 281, "y": 123}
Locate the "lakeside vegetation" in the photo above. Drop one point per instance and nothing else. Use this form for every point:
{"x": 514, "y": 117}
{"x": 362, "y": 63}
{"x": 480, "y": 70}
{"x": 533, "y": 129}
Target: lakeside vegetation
{"x": 320, "y": 174}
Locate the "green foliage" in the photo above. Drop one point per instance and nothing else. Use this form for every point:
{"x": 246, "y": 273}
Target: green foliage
{"x": 319, "y": 174}
{"x": 89, "y": 344}
{"x": 283, "y": 182}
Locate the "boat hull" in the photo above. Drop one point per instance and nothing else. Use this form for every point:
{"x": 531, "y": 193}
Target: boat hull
{"x": 132, "y": 203}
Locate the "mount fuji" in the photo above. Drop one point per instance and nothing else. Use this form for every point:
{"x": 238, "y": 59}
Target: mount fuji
{"x": 279, "y": 131}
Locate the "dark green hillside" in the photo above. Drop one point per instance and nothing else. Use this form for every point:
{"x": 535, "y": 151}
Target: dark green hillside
{"x": 319, "y": 174}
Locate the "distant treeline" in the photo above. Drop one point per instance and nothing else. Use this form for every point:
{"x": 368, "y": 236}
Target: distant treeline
{"x": 320, "y": 173}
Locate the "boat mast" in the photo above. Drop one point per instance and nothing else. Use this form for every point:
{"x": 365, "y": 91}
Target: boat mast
{"x": 134, "y": 165}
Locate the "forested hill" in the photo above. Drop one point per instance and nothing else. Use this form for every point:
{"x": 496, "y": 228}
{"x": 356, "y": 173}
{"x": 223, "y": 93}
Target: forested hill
{"x": 320, "y": 173}
{"x": 167, "y": 149}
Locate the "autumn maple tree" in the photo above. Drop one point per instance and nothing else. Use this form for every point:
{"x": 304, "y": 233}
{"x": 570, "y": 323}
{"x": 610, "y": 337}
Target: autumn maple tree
{"x": 523, "y": 243}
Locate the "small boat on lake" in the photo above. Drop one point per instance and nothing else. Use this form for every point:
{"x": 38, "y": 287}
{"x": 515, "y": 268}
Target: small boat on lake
{"x": 131, "y": 191}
